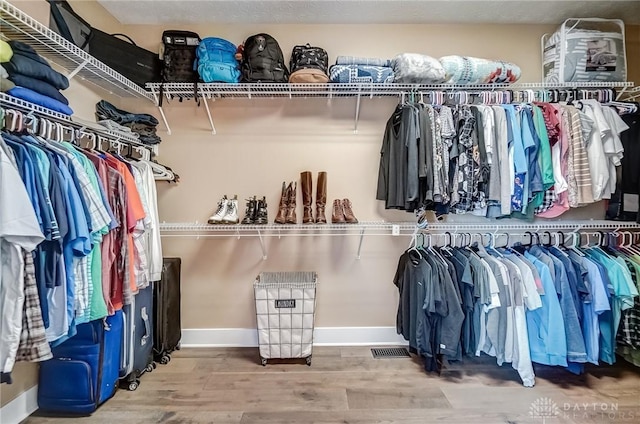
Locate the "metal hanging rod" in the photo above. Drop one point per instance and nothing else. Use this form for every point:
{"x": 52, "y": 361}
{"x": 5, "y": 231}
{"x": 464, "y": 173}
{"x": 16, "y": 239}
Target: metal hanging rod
{"x": 27, "y": 108}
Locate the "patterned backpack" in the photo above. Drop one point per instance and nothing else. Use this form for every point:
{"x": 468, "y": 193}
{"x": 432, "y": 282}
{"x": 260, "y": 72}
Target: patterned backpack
{"x": 309, "y": 65}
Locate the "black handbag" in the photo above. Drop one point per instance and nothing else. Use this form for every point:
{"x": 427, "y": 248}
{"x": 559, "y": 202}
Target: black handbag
{"x": 135, "y": 63}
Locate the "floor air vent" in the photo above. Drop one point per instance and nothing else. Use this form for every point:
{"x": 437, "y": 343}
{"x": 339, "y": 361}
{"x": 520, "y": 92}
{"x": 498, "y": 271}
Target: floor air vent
{"x": 390, "y": 352}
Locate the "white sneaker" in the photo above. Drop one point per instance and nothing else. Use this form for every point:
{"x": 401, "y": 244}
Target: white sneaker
{"x": 231, "y": 215}
{"x": 217, "y": 217}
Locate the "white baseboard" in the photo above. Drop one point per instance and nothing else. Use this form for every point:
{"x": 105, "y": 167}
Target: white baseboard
{"x": 323, "y": 336}
{"x": 20, "y": 408}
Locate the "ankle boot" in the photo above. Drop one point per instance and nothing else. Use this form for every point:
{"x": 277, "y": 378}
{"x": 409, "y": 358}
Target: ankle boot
{"x": 282, "y": 208}
{"x": 217, "y": 217}
{"x": 337, "y": 215}
{"x": 231, "y": 217}
{"x": 261, "y": 212}
{"x": 250, "y": 211}
{"x": 290, "y": 215}
{"x": 349, "y": 217}
{"x": 321, "y": 198}
{"x": 306, "y": 183}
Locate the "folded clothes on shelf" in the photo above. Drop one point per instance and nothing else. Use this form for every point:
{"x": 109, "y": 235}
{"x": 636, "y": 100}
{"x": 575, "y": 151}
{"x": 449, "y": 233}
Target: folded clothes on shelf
{"x": 105, "y": 110}
{"x": 38, "y": 86}
{"x": 140, "y": 123}
{"x": 114, "y": 126}
{"x": 23, "y": 49}
{"x": 5, "y": 51}
{"x": 370, "y": 61}
{"x": 27, "y": 66}
{"x": 40, "y": 100}
{"x": 365, "y": 74}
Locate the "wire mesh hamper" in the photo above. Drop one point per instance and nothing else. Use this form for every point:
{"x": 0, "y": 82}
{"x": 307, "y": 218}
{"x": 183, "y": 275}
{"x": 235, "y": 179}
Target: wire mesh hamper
{"x": 285, "y": 309}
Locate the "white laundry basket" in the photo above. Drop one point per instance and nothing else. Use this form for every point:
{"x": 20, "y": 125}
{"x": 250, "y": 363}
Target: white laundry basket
{"x": 285, "y": 309}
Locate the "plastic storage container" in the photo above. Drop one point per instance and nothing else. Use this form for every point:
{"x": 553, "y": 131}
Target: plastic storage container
{"x": 585, "y": 50}
{"x": 285, "y": 310}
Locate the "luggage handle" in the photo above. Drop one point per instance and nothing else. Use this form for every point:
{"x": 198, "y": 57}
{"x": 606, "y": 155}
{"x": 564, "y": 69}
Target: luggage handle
{"x": 147, "y": 326}
{"x": 118, "y": 34}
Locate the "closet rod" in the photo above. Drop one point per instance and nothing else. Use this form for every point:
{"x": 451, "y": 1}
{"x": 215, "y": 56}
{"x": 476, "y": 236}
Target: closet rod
{"x": 27, "y": 109}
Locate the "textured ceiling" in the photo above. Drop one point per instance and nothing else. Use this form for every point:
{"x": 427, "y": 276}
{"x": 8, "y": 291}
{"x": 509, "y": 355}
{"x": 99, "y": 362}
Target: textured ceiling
{"x": 366, "y": 11}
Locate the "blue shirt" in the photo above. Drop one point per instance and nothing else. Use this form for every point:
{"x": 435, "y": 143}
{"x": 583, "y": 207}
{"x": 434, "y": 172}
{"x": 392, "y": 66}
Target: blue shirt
{"x": 545, "y": 325}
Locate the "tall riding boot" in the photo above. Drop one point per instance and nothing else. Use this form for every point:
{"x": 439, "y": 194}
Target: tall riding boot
{"x": 290, "y": 216}
{"x": 321, "y": 198}
{"x": 282, "y": 208}
{"x": 306, "y": 183}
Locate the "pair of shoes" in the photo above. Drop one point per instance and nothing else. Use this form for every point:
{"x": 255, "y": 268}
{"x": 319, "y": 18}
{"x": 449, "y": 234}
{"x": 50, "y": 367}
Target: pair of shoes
{"x": 321, "y": 197}
{"x": 287, "y": 208}
{"x": 256, "y": 212}
{"x": 342, "y": 212}
{"x": 227, "y": 212}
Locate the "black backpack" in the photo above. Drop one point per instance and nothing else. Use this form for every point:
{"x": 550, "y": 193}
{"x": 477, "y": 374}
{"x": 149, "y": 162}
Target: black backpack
{"x": 179, "y": 56}
{"x": 263, "y": 61}
{"x": 308, "y": 57}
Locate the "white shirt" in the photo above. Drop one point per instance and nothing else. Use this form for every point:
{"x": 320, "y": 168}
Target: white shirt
{"x": 154, "y": 251}
{"x": 19, "y": 229}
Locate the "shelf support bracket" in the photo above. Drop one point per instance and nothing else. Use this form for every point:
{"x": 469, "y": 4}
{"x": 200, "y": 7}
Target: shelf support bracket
{"x": 264, "y": 249}
{"x": 360, "y": 243}
{"x": 164, "y": 118}
{"x": 357, "y": 117}
{"x": 206, "y": 105}
{"x": 78, "y": 69}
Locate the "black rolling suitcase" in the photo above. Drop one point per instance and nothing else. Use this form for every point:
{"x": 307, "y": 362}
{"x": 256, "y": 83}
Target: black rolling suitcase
{"x": 166, "y": 302}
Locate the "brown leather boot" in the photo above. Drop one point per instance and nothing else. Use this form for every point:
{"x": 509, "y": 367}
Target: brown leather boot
{"x": 282, "y": 208}
{"x": 348, "y": 213}
{"x": 337, "y": 215}
{"x": 306, "y": 183}
{"x": 321, "y": 198}
{"x": 290, "y": 216}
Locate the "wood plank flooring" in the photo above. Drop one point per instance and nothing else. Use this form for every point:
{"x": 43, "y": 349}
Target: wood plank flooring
{"x": 346, "y": 385}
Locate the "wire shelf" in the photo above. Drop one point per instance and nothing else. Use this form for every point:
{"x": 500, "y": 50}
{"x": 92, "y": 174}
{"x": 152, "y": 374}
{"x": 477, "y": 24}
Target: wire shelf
{"x": 17, "y": 25}
{"x": 279, "y": 229}
{"x": 222, "y": 90}
{"x": 7, "y": 100}
{"x": 390, "y": 227}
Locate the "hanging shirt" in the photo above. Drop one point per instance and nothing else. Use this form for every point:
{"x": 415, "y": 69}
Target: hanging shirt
{"x": 547, "y": 338}
{"x": 19, "y": 229}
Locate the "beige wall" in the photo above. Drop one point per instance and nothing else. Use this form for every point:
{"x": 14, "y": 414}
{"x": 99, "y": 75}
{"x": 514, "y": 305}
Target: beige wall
{"x": 263, "y": 142}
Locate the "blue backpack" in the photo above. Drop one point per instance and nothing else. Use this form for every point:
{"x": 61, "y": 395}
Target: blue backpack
{"x": 216, "y": 61}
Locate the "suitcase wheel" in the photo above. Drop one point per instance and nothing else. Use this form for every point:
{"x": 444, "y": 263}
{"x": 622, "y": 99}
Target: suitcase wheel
{"x": 150, "y": 367}
{"x": 308, "y": 358}
{"x": 263, "y": 361}
{"x": 165, "y": 359}
{"x": 133, "y": 385}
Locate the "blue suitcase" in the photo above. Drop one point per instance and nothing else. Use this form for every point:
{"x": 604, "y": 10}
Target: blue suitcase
{"x": 137, "y": 356}
{"x": 83, "y": 373}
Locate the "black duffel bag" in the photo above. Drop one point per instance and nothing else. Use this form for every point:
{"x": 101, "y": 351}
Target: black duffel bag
{"x": 135, "y": 63}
